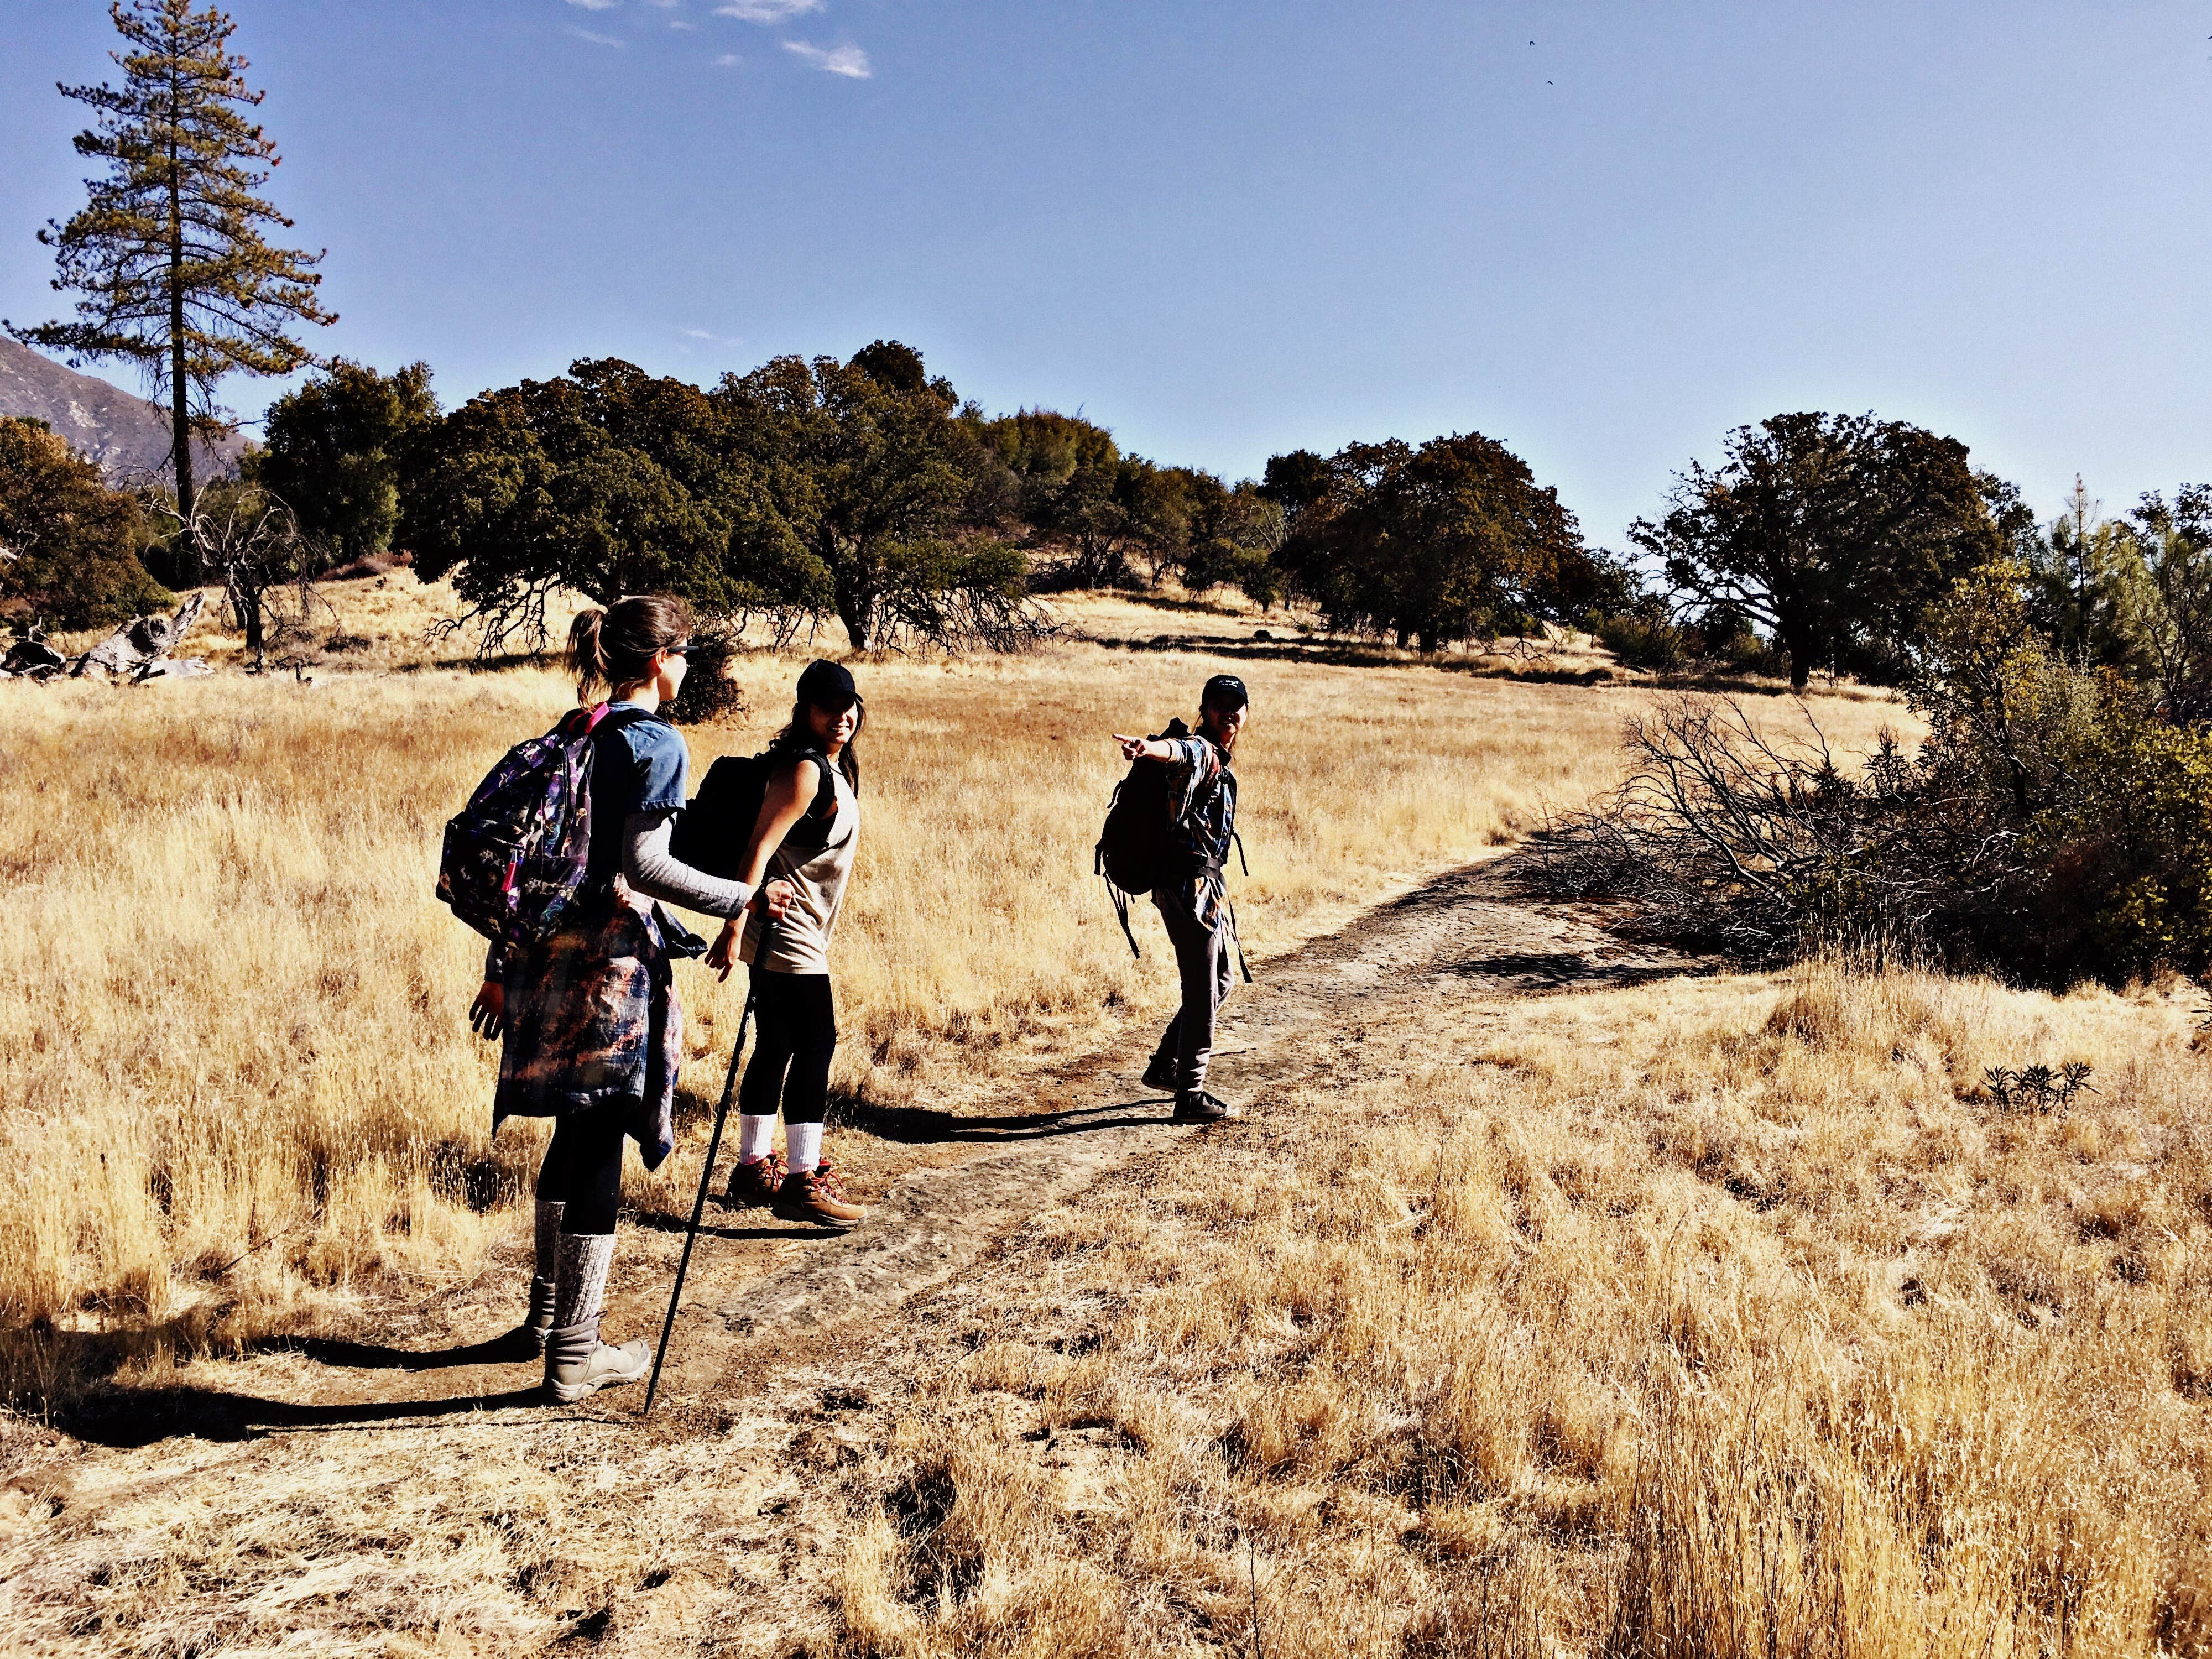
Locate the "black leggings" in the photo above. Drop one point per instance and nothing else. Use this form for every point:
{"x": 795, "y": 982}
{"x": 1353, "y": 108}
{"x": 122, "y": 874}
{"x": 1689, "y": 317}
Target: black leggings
{"x": 797, "y": 1027}
{"x": 583, "y": 1166}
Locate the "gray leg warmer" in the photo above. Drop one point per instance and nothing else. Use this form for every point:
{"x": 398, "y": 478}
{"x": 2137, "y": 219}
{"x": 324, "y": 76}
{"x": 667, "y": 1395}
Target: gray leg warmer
{"x": 576, "y": 1361}
{"x": 542, "y": 1280}
{"x": 581, "y": 1286}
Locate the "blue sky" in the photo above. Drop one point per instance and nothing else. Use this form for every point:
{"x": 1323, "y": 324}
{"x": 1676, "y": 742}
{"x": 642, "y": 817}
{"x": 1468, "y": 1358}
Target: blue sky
{"x": 1603, "y": 233}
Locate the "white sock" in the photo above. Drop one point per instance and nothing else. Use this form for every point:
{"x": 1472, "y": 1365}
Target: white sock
{"x": 802, "y": 1146}
{"x": 755, "y": 1137}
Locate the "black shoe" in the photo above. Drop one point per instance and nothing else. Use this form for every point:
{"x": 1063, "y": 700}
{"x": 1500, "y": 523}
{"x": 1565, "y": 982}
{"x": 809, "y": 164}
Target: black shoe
{"x": 1196, "y": 1106}
{"x": 1160, "y": 1074}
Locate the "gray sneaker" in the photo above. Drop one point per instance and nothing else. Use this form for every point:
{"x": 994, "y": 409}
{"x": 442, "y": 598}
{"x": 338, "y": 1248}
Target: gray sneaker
{"x": 1196, "y": 1106}
{"x": 1160, "y": 1074}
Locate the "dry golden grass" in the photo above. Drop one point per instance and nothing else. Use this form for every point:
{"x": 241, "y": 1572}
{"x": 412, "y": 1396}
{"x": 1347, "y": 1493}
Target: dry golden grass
{"x": 1718, "y": 1318}
{"x": 235, "y": 1081}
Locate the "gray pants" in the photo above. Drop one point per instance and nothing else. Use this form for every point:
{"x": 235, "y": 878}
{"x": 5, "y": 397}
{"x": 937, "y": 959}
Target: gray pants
{"x": 1202, "y": 959}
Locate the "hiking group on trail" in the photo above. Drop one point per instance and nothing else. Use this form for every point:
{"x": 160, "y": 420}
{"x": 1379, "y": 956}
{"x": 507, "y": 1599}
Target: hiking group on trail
{"x": 571, "y": 848}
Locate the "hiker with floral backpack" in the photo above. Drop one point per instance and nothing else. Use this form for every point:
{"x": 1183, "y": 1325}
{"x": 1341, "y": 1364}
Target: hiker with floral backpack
{"x": 578, "y": 981}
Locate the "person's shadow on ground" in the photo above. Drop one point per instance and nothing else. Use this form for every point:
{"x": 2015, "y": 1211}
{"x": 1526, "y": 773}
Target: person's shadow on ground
{"x": 127, "y": 1419}
{"x": 915, "y": 1125}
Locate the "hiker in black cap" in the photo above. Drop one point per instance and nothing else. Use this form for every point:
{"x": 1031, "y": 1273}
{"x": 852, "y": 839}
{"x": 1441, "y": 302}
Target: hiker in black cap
{"x": 1191, "y": 895}
{"x": 811, "y": 847}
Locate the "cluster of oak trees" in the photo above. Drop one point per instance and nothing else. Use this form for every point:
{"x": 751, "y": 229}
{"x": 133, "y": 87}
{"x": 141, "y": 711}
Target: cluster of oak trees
{"x": 866, "y": 490}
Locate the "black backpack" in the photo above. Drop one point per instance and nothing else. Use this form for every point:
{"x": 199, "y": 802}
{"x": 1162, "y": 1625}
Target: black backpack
{"x": 1135, "y": 849}
{"x": 1132, "y": 848}
{"x": 716, "y": 825}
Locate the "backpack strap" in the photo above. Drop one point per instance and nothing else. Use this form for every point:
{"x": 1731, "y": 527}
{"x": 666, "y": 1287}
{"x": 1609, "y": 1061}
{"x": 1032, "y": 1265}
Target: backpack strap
{"x": 825, "y": 792}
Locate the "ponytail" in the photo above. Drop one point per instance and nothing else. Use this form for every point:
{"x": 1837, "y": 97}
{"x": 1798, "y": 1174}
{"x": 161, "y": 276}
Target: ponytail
{"x": 614, "y": 648}
{"x": 586, "y": 658}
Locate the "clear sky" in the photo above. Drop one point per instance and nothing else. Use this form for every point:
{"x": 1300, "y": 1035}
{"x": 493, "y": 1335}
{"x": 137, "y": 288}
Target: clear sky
{"x": 1602, "y": 232}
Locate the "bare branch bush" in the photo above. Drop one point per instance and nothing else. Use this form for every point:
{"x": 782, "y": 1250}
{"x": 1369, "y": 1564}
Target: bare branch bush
{"x": 250, "y": 541}
{"x": 1765, "y": 848}
{"x": 505, "y": 614}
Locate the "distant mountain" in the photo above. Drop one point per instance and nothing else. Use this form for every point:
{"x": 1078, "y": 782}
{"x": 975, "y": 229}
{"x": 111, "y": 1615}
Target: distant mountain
{"x": 128, "y": 436}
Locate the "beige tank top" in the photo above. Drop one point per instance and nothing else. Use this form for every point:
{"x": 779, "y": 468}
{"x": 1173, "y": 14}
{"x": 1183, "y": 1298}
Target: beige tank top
{"x": 799, "y": 944}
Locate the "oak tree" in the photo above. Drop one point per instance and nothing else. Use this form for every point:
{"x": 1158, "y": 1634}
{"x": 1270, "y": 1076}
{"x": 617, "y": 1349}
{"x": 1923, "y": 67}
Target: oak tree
{"x": 1832, "y": 532}
{"x": 68, "y": 544}
{"x": 332, "y": 449}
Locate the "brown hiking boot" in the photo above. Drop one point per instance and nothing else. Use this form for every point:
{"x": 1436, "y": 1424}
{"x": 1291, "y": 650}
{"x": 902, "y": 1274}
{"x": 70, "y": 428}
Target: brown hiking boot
{"x": 755, "y": 1185}
{"x": 805, "y": 1196}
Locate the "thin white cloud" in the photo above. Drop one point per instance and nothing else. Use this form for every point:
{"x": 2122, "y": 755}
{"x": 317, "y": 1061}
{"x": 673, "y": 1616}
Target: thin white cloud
{"x": 766, "y": 11}
{"x": 728, "y": 60}
{"x": 678, "y": 24}
{"x": 595, "y": 5}
{"x": 598, "y": 40}
{"x": 848, "y": 61}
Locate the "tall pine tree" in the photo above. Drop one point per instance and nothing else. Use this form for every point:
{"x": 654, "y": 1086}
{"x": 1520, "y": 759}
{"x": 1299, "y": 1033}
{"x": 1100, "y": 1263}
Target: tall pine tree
{"x": 168, "y": 250}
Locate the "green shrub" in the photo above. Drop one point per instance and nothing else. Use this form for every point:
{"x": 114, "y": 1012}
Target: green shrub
{"x": 74, "y": 540}
{"x": 2125, "y": 850}
{"x": 1652, "y": 643}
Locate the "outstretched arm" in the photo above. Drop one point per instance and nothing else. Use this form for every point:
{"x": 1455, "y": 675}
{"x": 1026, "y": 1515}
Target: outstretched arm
{"x": 649, "y": 868}
{"x": 1158, "y": 749}
{"x": 783, "y": 806}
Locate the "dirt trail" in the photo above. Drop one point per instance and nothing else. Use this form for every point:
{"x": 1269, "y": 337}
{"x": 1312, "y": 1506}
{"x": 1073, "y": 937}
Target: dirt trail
{"x": 290, "y": 1449}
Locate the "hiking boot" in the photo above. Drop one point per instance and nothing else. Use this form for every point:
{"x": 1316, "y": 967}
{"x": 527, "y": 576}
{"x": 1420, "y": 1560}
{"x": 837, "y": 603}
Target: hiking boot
{"x": 806, "y": 1195}
{"x": 578, "y": 1364}
{"x": 1196, "y": 1106}
{"x": 576, "y": 1361}
{"x": 754, "y": 1185}
{"x": 1160, "y": 1074}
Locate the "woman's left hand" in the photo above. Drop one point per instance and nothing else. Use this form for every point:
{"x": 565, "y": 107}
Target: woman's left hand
{"x": 487, "y": 1013}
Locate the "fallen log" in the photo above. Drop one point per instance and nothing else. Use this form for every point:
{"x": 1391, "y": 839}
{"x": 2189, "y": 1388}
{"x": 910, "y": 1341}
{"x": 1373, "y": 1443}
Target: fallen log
{"x": 130, "y": 652}
{"x": 31, "y": 657}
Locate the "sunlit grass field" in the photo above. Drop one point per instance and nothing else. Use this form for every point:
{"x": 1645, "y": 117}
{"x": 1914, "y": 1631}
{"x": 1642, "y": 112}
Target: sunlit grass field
{"x": 236, "y": 1081}
{"x": 1729, "y": 1316}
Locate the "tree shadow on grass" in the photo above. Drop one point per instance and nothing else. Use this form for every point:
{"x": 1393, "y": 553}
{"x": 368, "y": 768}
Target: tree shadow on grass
{"x": 1551, "y": 969}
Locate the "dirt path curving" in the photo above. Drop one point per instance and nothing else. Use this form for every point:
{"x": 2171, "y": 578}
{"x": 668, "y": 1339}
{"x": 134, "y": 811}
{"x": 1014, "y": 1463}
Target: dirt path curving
{"x": 357, "y": 1489}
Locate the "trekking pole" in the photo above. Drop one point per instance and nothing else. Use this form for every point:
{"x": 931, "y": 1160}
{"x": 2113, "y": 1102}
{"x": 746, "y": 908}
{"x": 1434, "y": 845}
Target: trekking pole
{"x": 706, "y": 1180}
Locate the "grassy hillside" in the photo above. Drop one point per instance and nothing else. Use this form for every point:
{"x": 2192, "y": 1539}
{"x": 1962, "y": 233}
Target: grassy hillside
{"x": 236, "y": 1084}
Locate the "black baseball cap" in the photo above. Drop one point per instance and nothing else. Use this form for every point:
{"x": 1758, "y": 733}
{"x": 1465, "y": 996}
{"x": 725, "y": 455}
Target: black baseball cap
{"x": 828, "y": 685}
{"x": 1223, "y": 691}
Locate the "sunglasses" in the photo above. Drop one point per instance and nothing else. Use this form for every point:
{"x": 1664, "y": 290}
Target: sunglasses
{"x": 680, "y": 648}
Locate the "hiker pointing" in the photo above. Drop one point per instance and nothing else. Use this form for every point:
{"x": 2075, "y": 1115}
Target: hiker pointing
{"x": 1198, "y": 823}
{"x": 578, "y": 981}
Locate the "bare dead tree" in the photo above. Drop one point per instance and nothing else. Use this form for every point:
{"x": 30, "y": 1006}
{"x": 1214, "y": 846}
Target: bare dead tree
{"x": 250, "y": 541}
